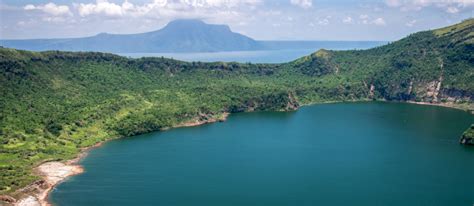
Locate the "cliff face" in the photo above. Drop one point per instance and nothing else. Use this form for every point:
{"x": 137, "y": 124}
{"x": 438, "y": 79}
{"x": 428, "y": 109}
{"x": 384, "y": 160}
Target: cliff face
{"x": 282, "y": 101}
{"x": 457, "y": 95}
{"x": 436, "y": 92}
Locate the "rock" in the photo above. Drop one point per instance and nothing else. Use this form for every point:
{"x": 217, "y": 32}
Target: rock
{"x": 7, "y": 199}
{"x": 292, "y": 103}
{"x": 372, "y": 91}
{"x": 29, "y": 201}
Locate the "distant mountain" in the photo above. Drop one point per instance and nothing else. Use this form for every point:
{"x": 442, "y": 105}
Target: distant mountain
{"x": 185, "y": 35}
{"x": 177, "y": 36}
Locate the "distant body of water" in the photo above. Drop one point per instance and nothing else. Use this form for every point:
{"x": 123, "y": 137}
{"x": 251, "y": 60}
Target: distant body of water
{"x": 283, "y": 52}
{"x": 367, "y": 154}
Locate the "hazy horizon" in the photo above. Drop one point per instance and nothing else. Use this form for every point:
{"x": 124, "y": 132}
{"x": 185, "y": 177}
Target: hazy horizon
{"x": 303, "y": 20}
{"x": 300, "y": 40}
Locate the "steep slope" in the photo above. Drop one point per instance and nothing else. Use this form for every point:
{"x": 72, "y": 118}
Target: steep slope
{"x": 54, "y": 103}
{"x": 177, "y": 36}
{"x": 432, "y": 66}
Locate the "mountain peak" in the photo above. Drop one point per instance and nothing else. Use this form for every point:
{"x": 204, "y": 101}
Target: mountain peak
{"x": 102, "y": 34}
{"x": 186, "y": 22}
{"x": 193, "y": 24}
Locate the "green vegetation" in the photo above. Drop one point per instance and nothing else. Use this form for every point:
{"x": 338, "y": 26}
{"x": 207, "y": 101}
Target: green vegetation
{"x": 55, "y": 103}
{"x": 467, "y": 137}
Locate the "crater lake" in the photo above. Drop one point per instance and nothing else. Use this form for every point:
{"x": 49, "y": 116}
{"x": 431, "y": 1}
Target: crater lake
{"x": 371, "y": 153}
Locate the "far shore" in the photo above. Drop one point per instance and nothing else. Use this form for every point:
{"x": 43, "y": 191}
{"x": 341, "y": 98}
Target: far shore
{"x": 55, "y": 172}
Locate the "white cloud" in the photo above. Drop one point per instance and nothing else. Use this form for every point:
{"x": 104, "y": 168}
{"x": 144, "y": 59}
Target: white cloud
{"x": 50, "y": 8}
{"x": 218, "y": 3}
{"x": 366, "y": 19}
{"x": 103, "y": 7}
{"x": 323, "y": 21}
{"x": 305, "y": 4}
{"x": 452, "y": 10}
{"x": 161, "y": 7}
{"x": 29, "y": 7}
{"x": 347, "y": 20}
{"x": 411, "y": 23}
{"x": 159, "y": 11}
{"x": 379, "y": 22}
{"x": 54, "y": 19}
{"x": 450, "y": 6}
{"x": 363, "y": 16}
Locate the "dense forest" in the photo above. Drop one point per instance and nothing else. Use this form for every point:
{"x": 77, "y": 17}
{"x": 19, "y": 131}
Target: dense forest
{"x": 55, "y": 103}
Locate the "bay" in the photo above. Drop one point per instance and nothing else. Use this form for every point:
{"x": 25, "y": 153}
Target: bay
{"x": 372, "y": 153}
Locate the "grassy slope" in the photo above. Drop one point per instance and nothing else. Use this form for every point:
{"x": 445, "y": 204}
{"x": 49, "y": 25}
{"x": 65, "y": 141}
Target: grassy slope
{"x": 54, "y": 103}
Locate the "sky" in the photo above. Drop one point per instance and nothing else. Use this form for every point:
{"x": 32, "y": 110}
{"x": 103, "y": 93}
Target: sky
{"x": 347, "y": 20}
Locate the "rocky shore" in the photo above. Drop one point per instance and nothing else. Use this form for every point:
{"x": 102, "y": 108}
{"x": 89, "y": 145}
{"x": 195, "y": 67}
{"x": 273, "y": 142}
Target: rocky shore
{"x": 466, "y": 107}
{"x": 52, "y": 173}
{"x": 203, "y": 119}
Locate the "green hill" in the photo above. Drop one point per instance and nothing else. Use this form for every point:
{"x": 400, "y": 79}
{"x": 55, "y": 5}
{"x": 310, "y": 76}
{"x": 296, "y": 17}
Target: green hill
{"x": 430, "y": 66}
{"x": 55, "y": 103}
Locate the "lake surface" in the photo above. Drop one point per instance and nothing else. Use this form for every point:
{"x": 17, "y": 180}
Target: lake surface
{"x": 331, "y": 154}
{"x": 282, "y": 52}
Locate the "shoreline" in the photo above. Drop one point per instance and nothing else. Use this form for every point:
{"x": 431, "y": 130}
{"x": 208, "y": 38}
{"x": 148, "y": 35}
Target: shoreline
{"x": 53, "y": 173}
{"x": 469, "y": 107}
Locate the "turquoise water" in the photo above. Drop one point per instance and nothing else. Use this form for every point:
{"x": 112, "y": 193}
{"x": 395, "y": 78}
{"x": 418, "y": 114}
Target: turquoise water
{"x": 331, "y": 154}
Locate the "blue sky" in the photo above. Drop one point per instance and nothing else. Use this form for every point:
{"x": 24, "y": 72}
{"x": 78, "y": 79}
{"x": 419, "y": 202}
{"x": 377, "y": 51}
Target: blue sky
{"x": 259, "y": 19}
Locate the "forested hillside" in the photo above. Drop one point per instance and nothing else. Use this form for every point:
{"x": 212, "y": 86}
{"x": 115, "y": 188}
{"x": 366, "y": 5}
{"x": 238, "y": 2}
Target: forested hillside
{"x": 430, "y": 66}
{"x": 54, "y": 103}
